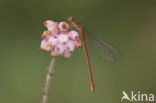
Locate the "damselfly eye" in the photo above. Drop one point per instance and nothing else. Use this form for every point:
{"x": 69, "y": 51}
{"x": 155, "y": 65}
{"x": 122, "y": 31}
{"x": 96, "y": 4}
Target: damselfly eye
{"x": 71, "y": 18}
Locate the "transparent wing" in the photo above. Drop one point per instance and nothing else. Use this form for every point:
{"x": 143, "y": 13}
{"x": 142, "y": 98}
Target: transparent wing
{"x": 103, "y": 49}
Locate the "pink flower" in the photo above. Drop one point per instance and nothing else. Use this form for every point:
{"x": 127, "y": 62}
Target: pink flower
{"x": 73, "y": 35}
{"x": 59, "y": 39}
{"x": 52, "y": 26}
{"x": 63, "y": 26}
{"x": 53, "y": 53}
{"x": 66, "y": 55}
{"x": 70, "y": 46}
{"x": 45, "y": 35}
{"x": 45, "y": 45}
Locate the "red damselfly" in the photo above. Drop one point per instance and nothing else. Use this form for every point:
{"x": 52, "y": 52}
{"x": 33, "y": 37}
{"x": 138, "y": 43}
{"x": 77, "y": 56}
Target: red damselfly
{"x": 105, "y": 50}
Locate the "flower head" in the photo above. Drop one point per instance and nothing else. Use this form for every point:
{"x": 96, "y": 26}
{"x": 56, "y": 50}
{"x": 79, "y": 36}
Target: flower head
{"x": 59, "y": 39}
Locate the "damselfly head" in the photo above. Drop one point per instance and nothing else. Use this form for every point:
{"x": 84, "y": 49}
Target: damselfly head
{"x": 71, "y": 18}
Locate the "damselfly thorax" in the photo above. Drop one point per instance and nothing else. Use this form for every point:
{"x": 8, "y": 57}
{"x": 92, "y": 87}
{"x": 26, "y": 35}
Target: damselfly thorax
{"x": 75, "y": 24}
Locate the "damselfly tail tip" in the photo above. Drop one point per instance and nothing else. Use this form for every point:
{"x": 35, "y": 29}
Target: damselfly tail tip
{"x": 92, "y": 89}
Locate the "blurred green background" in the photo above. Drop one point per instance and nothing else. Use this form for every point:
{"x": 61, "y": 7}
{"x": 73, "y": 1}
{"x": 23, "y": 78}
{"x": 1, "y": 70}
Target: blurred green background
{"x": 128, "y": 25}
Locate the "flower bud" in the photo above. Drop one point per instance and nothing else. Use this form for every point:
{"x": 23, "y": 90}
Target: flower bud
{"x": 45, "y": 35}
{"x": 53, "y": 53}
{"x": 52, "y": 26}
{"x": 77, "y": 43}
{"x": 45, "y": 45}
{"x": 70, "y": 46}
{"x": 66, "y": 55}
{"x": 63, "y": 26}
{"x": 73, "y": 35}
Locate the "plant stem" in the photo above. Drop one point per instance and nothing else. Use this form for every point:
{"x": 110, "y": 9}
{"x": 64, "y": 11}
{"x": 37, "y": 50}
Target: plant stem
{"x": 46, "y": 89}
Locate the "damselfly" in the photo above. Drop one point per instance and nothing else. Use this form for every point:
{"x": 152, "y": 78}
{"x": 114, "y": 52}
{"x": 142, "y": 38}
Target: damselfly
{"x": 105, "y": 50}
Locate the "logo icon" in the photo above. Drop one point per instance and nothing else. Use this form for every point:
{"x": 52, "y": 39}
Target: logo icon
{"x": 125, "y": 96}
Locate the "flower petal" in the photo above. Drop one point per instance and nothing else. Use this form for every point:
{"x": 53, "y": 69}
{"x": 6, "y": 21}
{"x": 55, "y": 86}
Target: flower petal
{"x": 66, "y": 55}
{"x": 63, "y": 38}
{"x": 59, "y": 49}
{"x": 45, "y": 35}
{"x": 77, "y": 43}
{"x": 53, "y": 41}
{"x": 70, "y": 46}
{"x": 45, "y": 45}
{"x": 73, "y": 35}
{"x": 53, "y": 53}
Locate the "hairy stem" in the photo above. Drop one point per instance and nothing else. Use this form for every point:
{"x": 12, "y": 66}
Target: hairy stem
{"x": 46, "y": 89}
